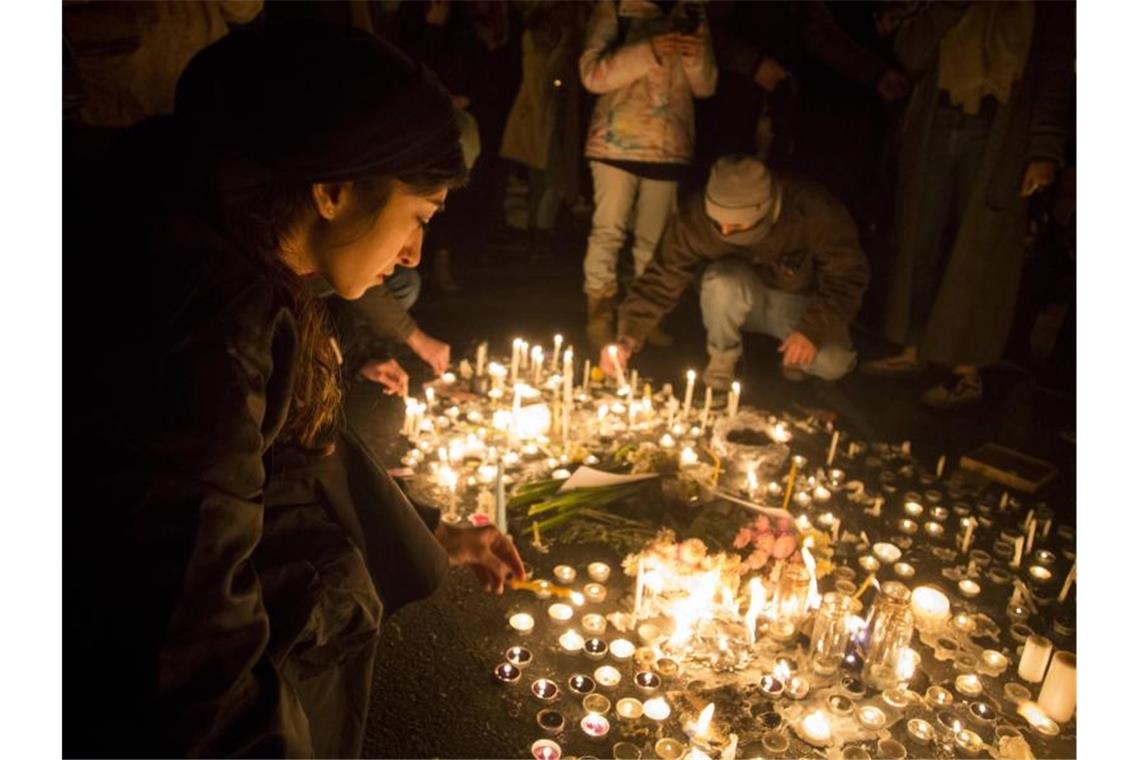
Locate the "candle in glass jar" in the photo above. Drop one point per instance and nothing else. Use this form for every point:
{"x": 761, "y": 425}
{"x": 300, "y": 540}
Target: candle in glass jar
{"x": 1034, "y": 658}
{"x": 1058, "y": 697}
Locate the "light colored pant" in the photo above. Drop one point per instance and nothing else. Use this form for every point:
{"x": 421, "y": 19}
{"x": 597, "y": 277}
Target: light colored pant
{"x": 735, "y": 300}
{"x": 617, "y": 193}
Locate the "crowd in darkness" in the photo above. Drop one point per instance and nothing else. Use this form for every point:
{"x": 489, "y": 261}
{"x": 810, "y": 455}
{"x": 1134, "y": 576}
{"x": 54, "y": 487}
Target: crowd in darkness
{"x": 945, "y": 171}
{"x": 247, "y": 192}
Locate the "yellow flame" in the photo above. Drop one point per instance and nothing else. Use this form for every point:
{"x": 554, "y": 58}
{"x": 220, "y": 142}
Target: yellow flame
{"x": 701, "y": 729}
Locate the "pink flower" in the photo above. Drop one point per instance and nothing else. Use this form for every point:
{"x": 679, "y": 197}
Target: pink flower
{"x": 764, "y": 542}
{"x": 757, "y": 559}
{"x": 783, "y": 525}
{"x": 743, "y": 538}
{"x": 762, "y": 524}
{"x": 784, "y": 547}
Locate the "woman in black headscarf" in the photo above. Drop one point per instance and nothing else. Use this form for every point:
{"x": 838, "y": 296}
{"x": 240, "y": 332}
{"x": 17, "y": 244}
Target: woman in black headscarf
{"x": 230, "y": 546}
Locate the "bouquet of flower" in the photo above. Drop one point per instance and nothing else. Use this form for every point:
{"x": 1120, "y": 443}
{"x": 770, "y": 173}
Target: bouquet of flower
{"x": 767, "y": 539}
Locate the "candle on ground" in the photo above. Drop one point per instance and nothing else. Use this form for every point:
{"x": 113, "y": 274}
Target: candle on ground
{"x": 1058, "y": 696}
{"x": 1072, "y": 576}
{"x": 557, "y": 351}
{"x": 941, "y": 466}
{"x": 516, "y": 348}
{"x": 1018, "y": 547}
{"x": 691, "y": 378}
{"x": 619, "y": 371}
{"x": 971, "y": 523}
{"x": 1034, "y": 658}
{"x": 734, "y": 400}
{"x": 834, "y": 445}
{"x": 480, "y": 359}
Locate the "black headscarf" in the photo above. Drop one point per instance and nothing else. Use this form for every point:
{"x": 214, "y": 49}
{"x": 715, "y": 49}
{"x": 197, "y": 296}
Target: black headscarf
{"x": 310, "y": 102}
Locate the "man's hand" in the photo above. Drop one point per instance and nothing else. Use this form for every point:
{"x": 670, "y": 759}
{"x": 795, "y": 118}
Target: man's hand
{"x": 613, "y": 356}
{"x": 389, "y": 374}
{"x": 893, "y": 86}
{"x": 691, "y": 47}
{"x": 1039, "y": 174}
{"x": 769, "y": 74}
{"x": 436, "y": 353}
{"x": 665, "y": 45}
{"x": 490, "y": 555}
{"x": 798, "y": 351}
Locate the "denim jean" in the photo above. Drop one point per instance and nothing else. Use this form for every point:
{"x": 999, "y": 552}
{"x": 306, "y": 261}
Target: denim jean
{"x": 617, "y": 193}
{"x": 735, "y": 300}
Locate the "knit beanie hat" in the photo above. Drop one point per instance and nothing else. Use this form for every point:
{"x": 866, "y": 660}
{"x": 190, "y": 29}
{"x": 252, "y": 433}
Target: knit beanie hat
{"x": 741, "y": 191}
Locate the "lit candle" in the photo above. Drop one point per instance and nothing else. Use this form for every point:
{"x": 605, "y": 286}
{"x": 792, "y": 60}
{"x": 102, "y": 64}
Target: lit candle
{"x": 1058, "y": 697}
{"x": 734, "y": 400}
{"x": 1036, "y": 717}
{"x": 536, "y": 361}
{"x": 595, "y": 648}
{"x": 565, "y": 574}
{"x": 691, "y": 377}
{"x": 834, "y": 445}
{"x": 968, "y": 685}
{"x": 619, "y": 371}
{"x": 622, "y": 649}
{"x": 544, "y": 690}
{"x": 994, "y": 660}
{"x": 969, "y": 588}
{"x": 1034, "y": 658}
{"x": 557, "y": 351}
{"x": 594, "y": 592}
{"x": 688, "y": 457}
{"x": 598, "y": 571}
{"x": 545, "y": 749}
{"x": 656, "y": 709}
{"x": 571, "y": 642}
{"x": 507, "y": 673}
{"x": 560, "y": 612}
{"x": 707, "y": 408}
{"x": 1031, "y": 536}
{"x": 970, "y": 523}
{"x": 520, "y": 657}
{"x": 498, "y": 374}
{"x": 647, "y": 681}
{"x": 522, "y": 622}
{"x": 595, "y": 726}
{"x": 872, "y": 717}
{"x": 607, "y": 676}
{"x": 629, "y": 708}
{"x": 816, "y": 728}
{"x": 594, "y": 624}
{"x": 931, "y": 609}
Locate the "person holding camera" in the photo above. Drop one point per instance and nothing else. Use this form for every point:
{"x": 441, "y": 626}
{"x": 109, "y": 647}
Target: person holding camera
{"x": 647, "y": 61}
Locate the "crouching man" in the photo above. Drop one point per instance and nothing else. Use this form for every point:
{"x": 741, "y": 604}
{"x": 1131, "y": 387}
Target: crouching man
{"x": 779, "y": 257}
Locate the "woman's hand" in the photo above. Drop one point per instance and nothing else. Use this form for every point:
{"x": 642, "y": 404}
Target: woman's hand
{"x": 490, "y": 555}
{"x": 388, "y": 374}
{"x": 436, "y": 353}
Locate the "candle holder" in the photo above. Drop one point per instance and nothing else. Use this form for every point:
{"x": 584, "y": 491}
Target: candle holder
{"x": 853, "y": 687}
{"x": 543, "y": 588}
{"x": 607, "y": 677}
{"x": 886, "y": 553}
{"x": 545, "y": 749}
{"x": 648, "y": 633}
{"x": 622, "y": 649}
{"x": 815, "y": 727}
{"x": 920, "y": 730}
{"x": 869, "y": 563}
{"x": 581, "y": 684}
{"x": 1017, "y": 614}
{"x": 571, "y": 642}
{"x": 1020, "y": 632}
{"x": 941, "y": 514}
{"x": 1016, "y": 692}
{"x": 666, "y": 666}
{"x": 934, "y": 529}
{"x": 999, "y": 575}
{"x": 629, "y": 708}
{"x": 968, "y": 741}
{"x": 656, "y": 709}
{"x": 598, "y": 572}
{"x": 771, "y": 686}
{"x": 994, "y": 660}
{"x": 903, "y": 570}
{"x": 594, "y": 624}
{"x": 797, "y": 687}
{"x": 564, "y": 574}
{"x": 595, "y": 593}
{"x": 907, "y": 526}
{"x": 983, "y": 713}
{"x": 507, "y": 673}
{"x": 829, "y": 634}
{"x": 889, "y": 629}
{"x": 521, "y": 622}
{"x": 595, "y": 726}
{"x": 559, "y": 612}
{"x": 939, "y": 696}
{"x": 596, "y": 703}
{"x": 520, "y": 657}
{"x": 968, "y": 685}
{"x": 550, "y": 721}
{"x": 840, "y": 705}
{"x": 595, "y": 649}
{"x": 897, "y": 698}
{"x": 669, "y": 749}
{"x": 969, "y": 588}
{"x": 1040, "y": 574}
{"x": 871, "y": 717}
{"x": 774, "y": 742}
{"x": 647, "y": 682}
{"x": 544, "y": 690}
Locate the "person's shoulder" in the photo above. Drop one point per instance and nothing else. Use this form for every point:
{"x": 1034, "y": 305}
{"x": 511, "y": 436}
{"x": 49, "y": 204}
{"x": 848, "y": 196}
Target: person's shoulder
{"x": 801, "y": 194}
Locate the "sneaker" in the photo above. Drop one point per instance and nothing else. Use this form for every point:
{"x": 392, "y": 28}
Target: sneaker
{"x": 720, "y": 371}
{"x": 958, "y": 391}
{"x": 892, "y": 366}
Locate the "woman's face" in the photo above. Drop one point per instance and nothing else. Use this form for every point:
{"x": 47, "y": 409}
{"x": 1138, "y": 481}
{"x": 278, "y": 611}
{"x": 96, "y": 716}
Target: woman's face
{"x": 355, "y": 252}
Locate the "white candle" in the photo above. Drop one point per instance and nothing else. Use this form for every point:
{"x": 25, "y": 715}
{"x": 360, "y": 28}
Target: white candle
{"x": 656, "y": 709}
{"x": 598, "y": 571}
{"x": 568, "y": 377}
{"x": 557, "y": 351}
{"x": 633, "y": 377}
{"x": 970, "y": 523}
{"x": 707, "y": 408}
{"x": 691, "y": 376}
{"x": 941, "y": 466}
{"x": 931, "y": 609}
{"x": 516, "y": 347}
{"x": 1004, "y": 501}
{"x": 835, "y": 531}
{"x": 834, "y": 446}
{"x": 480, "y": 359}
{"x": 734, "y": 400}
{"x": 560, "y": 612}
{"x": 1032, "y": 535}
{"x": 571, "y": 642}
{"x": 1028, "y": 519}
{"x": 522, "y": 622}
{"x": 536, "y": 362}
{"x": 1034, "y": 658}
{"x": 1072, "y": 576}
{"x": 1018, "y": 547}
{"x": 1046, "y": 527}
{"x": 586, "y": 377}
{"x": 1058, "y": 696}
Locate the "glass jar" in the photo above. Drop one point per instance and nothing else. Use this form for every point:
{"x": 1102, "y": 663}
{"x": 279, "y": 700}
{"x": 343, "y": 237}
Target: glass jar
{"x": 889, "y": 629}
{"x": 830, "y": 634}
{"x": 790, "y": 602}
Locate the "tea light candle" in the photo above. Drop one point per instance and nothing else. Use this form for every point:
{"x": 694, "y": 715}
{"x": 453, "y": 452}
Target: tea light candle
{"x": 543, "y": 588}
{"x": 872, "y": 717}
{"x": 983, "y": 712}
{"x": 669, "y": 749}
{"x": 1034, "y": 658}
{"x": 520, "y": 657}
{"x": 607, "y": 676}
{"x": 595, "y": 726}
{"x": 869, "y": 563}
{"x": 598, "y": 571}
{"x": 647, "y": 681}
{"x": 1044, "y": 557}
{"x": 886, "y": 552}
{"x": 969, "y": 588}
{"x": 1058, "y": 697}
{"x": 1040, "y": 574}
{"x": 596, "y": 703}
{"x": 622, "y": 649}
{"x": 931, "y": 609}
{"x": 968, "y": 741}
{"x": 571, "y": 642}
{"x": 907, "y": 526}
{"x": 544, "y": 690}
{"x": 939, "y": 696}
{"x": 550, "y": 721}
{"x": 565, "y": 574}
{"x": 666, "y": 666}
{"x": 968, "y": 685}
{"x": 594, "y": 624}
{"x": 1036, "y": 717}
{"x": 560, "y": 612}
{"x": 797, "y": 687}
{"x": 994, "y": 660}
{"x": 934, "y": 529}
{"x": 656, "y": 709}
{"x": 629, "y": 708}
{"x": 839, "y": 704}
{"x": 522, "y": 622}
{"x": 771, "y": 686}
{"x": 595, "y": 648}
{"x": 904, "y": 570}
{"x": 816, "y": 728}
{"x": 581, "y": 684}
{"x": 507, "y": 673}
{"x": 920, "y": 730}
{"x": 545, "y": 749}
{"x": 648, "y": 633}
{"x": 912, "y": 508}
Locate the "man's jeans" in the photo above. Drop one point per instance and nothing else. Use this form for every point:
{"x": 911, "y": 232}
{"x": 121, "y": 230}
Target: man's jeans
{"x": 615, "y": 193}
{"x": 734, "y": 300}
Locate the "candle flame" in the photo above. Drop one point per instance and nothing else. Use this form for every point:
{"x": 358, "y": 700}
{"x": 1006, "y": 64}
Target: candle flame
{"x": 757, "y": 594}
{"x": 782, "y": 672}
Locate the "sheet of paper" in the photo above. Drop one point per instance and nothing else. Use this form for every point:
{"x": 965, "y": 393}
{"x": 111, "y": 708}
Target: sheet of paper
{"x": 588, "y": 477}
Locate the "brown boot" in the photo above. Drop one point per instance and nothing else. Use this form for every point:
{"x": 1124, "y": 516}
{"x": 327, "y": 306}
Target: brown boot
{"x": 600, "y": 320}
{"x": 720, "y": 371}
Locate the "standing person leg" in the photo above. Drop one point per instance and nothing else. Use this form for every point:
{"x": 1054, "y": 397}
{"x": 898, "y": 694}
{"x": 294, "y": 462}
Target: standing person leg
{"x": 656, "y": 202}
{"x": 614, "y": 192}
{"x": 728, "y": 300}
